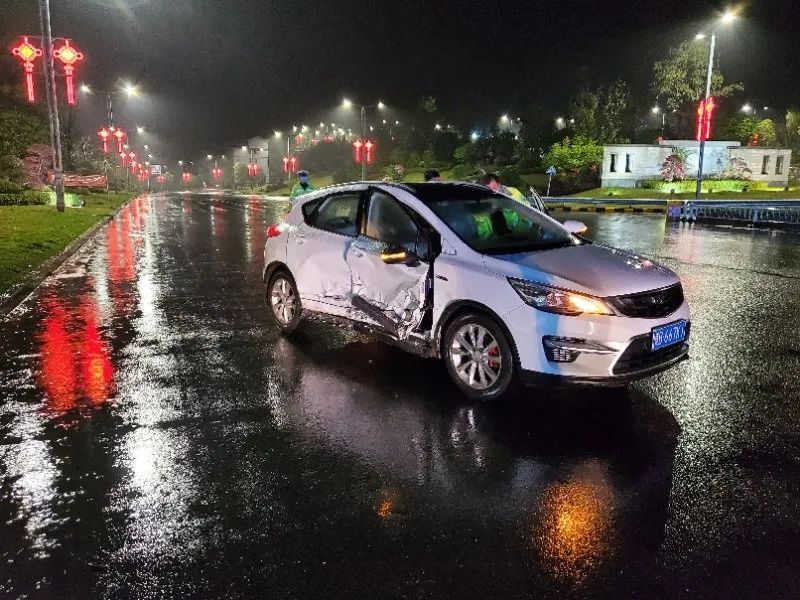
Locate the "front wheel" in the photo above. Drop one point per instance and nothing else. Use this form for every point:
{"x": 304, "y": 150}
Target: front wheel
{"x": 284, "y": 302}
{"x": 479, "y": 357}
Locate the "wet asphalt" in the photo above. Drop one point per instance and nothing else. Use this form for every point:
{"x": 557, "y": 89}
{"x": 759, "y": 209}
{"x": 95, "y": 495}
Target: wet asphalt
{"x": 159, "y": 439}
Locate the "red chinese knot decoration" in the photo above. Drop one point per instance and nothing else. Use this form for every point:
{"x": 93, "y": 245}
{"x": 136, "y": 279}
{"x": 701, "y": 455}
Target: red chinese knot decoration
{"x": 705, "y": 110}
{"x": 27, "y": 53}
{"x": 69, "y": 56}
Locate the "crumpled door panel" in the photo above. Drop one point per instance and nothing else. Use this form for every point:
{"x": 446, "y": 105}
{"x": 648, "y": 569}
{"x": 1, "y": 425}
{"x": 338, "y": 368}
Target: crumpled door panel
{"x": 397, "y": 291}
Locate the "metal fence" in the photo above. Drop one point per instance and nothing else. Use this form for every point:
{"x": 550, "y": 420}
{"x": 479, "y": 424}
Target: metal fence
{"x": 754, "y": 213}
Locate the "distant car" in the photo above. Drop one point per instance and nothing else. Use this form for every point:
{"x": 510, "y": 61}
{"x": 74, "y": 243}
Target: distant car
{"x": 503, "y": 293}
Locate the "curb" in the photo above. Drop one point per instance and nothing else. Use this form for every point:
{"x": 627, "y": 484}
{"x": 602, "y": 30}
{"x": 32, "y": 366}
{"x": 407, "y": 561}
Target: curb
{"x": 22, "y": 291}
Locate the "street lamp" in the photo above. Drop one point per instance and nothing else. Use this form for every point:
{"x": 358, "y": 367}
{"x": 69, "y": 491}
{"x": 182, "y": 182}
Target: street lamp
{"x": 748, "y": 109}
{"x": 139, "y": 129}
{"x": 86, "y": 89}
{"x": 346, "y": 103}
{"x": 560, "y": 122}
{"x": 727, "y": 18}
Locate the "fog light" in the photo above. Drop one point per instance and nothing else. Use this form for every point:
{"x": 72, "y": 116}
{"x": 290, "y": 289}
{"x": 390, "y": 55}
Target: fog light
{"x": 555, "y": 350}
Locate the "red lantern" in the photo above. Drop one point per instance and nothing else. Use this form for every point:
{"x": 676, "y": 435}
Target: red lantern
{"x": 357, "y": 145}
{"x": 186, "y": 177}
{"x": 120, "y": 135}
{"x": 27, "y": 53}
{"x": 705, "y": 110}
{"x": 69, "y": 55}
{"x": 161, "y": 179}
{"x": 252, "y": 169}
{"x": 123, "y": 158}
{"x": 327, "y": 138}
{"x": 104, "y": 135}
{"x": 369, "y": 147}
{"x": 216, "y": 173}
{"x": 294, "y": 164}
{"x": 285, "y": 164}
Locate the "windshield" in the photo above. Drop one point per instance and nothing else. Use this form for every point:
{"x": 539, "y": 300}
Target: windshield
{"x": 496, "y": 224}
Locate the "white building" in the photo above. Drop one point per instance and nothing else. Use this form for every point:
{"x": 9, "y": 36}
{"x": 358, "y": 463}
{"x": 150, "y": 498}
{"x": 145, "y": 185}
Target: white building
{"x": 628, "y": 165}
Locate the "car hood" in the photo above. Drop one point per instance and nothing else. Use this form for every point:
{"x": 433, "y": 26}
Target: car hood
{"x": 590, "y": 268}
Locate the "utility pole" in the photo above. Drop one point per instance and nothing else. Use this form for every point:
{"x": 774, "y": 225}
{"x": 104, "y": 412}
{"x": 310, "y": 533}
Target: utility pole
{"x": 702, "y": 117}
{"x": 363, "y": 138}
{"x": 52, "y": 103}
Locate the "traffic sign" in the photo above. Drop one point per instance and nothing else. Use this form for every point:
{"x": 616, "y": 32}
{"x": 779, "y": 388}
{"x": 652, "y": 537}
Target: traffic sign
{"x": 155, "y": 169}
{"x": 551, "y": 170}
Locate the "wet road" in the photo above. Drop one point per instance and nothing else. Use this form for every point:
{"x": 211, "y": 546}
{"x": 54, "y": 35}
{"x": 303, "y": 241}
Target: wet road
{"x": 159, "y": 440}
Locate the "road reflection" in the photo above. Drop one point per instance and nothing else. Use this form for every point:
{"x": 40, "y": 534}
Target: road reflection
{"x": 559, "y": 468}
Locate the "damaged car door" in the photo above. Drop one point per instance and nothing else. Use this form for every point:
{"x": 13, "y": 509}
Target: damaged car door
{"x": 316, "y": 252}
{"x": 390, "y": 267}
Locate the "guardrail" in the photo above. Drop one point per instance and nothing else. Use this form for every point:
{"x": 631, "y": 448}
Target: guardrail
{"x": 766, "y": 212}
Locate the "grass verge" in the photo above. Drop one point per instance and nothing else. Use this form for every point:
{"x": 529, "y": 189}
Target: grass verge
{"x": 29, "y": 235}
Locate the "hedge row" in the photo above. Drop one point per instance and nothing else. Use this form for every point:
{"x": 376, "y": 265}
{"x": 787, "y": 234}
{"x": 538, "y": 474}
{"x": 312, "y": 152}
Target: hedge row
{"x": 27, "y": 198}
{"x": 709, "y": 185}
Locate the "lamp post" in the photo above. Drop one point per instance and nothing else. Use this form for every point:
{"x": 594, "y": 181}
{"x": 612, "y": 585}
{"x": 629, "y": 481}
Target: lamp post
{"x": 726, "y": 18}
{"x": 363, "y": 126}
{"x": 656, "y": 110}
{"x": 52, "y": 103}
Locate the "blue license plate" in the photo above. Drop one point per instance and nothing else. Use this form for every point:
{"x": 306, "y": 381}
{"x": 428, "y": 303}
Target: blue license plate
{"x": 668, "y": 335}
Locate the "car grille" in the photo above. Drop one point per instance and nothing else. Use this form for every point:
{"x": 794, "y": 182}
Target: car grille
{"x": 638, "y": 356}
{"x": 650, "y": 305}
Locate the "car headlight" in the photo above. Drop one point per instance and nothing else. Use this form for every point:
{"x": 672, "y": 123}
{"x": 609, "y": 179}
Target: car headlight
{"x": 558, "y": 301}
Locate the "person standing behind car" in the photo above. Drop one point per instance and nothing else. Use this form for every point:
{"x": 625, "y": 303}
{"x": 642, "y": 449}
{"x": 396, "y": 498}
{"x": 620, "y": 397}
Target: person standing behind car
{"x": 492, "y": 181}
{"x": 303, "y": 185}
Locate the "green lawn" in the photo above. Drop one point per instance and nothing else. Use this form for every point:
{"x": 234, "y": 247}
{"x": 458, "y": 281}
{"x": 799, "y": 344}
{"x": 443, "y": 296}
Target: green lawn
{"x": 29, "y": 235}
{"x": 603, "y": 193}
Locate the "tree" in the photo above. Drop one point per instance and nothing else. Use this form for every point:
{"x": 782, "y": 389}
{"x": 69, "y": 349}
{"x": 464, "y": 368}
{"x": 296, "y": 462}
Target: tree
{"x": 85, "y": 157}
{"x": 239, "y": 174}
{"x": 19, "y": 129}
{"x": 749, "y": 130}
{"x": 792, "y": 135}
{"x": 577, "y": 155}
{"x": 603, "y": 114}
{"x": 680, "y": 78}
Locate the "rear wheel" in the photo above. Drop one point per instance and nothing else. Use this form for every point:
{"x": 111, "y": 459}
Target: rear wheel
{"x": 284, "y": 301}
{"x": 479, "y": 357}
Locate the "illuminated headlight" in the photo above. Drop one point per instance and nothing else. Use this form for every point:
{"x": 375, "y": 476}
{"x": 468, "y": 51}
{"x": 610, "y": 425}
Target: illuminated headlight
{"x": 558, "y": 301}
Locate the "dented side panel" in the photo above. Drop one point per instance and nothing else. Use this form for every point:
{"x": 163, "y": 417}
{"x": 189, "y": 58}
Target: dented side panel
{"x": 396, "y": 291}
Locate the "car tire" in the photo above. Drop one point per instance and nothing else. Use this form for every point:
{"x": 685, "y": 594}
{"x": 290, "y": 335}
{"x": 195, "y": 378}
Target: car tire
{"x": 283, "y": 301}
{"x": 479, "y": 357}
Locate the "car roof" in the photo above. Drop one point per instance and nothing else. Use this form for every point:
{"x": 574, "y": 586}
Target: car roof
{"x": 431, "y": 191}
{"x": 434, "y": 191}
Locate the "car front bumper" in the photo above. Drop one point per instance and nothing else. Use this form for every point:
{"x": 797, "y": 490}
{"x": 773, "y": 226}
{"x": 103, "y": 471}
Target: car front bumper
{"x": 598, "y": 350}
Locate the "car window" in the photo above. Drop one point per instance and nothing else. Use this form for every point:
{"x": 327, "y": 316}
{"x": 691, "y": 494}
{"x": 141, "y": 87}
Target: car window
{"x": 496, "y": 224}
{"x": 389, "y": 222}
{"x": 336, "y": 214}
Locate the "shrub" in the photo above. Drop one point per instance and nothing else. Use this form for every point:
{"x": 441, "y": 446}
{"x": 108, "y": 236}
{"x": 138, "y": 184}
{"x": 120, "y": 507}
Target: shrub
{"x": 9, "y": 187}
{"x": 465, "y": 173}
{"x": 81, "y": 191}
{"x": 574, "y": 156}
{"x": 26, "y": 198}
{"x": 510, "y": 177}
{"x": 526, "y": 166}
{"x": 709, "y": 185}
{"x": 394, "y": 173}
{"x": 346, "y": 174}
{"x": 673, "y": 168}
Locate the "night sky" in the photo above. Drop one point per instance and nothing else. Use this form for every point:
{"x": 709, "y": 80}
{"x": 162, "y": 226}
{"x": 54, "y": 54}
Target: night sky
{"x": 214, "y": 73}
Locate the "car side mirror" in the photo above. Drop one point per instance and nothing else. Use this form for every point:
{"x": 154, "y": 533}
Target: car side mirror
{"x": 396, "y": 255}
{"x": 575, "y": 227}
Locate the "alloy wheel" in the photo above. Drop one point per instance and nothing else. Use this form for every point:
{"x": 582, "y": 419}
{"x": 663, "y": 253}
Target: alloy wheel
{"x": 283, "y": 301}
{"x": 476, "y": 356}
